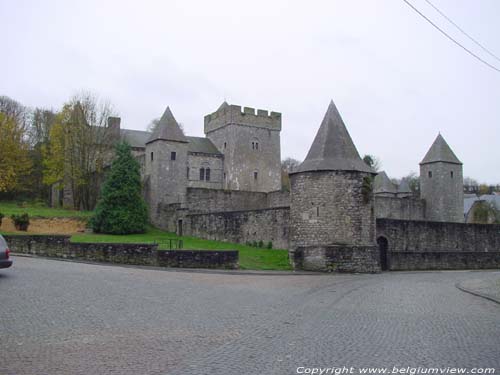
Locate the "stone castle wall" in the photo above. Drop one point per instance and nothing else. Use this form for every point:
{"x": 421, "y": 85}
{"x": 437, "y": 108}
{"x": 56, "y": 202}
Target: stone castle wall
{"x": 266, "y": 225}
{"x": 417, "y": 245}
{"x": 199, "y": 200}
{"x": 321, "y": 202}
{"x": 198, "y": 161}
{"x": 407, "y": 208}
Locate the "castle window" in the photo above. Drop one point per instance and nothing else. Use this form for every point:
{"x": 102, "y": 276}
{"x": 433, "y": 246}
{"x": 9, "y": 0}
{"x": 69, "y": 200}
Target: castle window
{"x": 255, "y": 175}
{"x": 255, "y": 143}
{"x": 202, "y": 174}
{"x": 430, "y": 174}
{"x": 151, "y": 156}
{"x": 173, "y": 155}
{"x": 187, "y": 173}
{"x": 225, "y": 145}
{"x": 451, "y": 174}
{"x": 207, "y": 174}
{"x": 224, "y": 175}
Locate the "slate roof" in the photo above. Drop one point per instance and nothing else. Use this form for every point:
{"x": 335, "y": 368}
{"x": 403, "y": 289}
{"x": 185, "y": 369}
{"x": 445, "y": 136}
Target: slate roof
{"x": 138, "y": 139}
{"x": 382, "y": 184}
{"x": 404, "y": 186}
{"x": 202, "y": 145}
{"x": 135, "y": 138}
{"x": 469, "y": 202}
{"x": 167, "y": 129}
{"x": 440, "y": 151}
{"x": 333, "y": 148}
{"x": 493, "y": 199}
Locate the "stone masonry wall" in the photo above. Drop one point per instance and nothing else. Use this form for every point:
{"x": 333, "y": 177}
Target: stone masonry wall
{"x": 135, "y": 254}
{"x": 197, "y": 161}
{"x": 442, "y": 191}
{"x": 327, "y": 208}
{"x": 407, "y": 208}
{"x": 414, "y": 245}
{"x": 199, "y": 200}
{"x": 267, "y": 225}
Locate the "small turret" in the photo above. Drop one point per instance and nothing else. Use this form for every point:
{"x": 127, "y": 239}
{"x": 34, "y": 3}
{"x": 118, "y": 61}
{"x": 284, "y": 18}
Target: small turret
{"x": 332, "y": 213}
{"x": 441, "y": 183}
{"x": 166, "y": 161}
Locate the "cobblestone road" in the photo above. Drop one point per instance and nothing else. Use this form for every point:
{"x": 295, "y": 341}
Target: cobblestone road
{"x": 71, "y": 318}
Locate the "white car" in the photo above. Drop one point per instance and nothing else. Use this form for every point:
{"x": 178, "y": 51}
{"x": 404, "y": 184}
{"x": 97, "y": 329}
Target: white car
{"x": 5, "y": 261}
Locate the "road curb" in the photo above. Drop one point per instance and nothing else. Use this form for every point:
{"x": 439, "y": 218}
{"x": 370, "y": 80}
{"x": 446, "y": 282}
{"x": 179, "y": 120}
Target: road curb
{"x": 478, "y": 294}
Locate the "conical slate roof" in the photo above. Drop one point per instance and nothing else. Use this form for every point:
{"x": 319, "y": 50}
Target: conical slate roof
{"x": 333, "y": 148}
{"x": 440, "y": 151}
{"x": 382, "y": 184}
{"x": 404, "y": 187}
{"x": 167, "y": 129}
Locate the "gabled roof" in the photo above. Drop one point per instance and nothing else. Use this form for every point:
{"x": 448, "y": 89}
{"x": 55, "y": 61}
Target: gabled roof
{"x": 333, "y": 148}
{"x": 167, "y": 129}
{"x": 135, "y": 138}
{"x": 202, "y": 145}
{"x": 382, "y": 184}
{"x": 440, "y": 151}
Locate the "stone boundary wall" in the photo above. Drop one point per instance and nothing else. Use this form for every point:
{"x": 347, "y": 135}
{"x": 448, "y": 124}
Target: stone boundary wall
{"x": 407, "y": 208}
{"x": 337, "y": 258}
{"x": 120, "y": 253}
{"x": 428, "y": 245}
{"x": 267, "y": 225}
{"x": 203, "y": 200}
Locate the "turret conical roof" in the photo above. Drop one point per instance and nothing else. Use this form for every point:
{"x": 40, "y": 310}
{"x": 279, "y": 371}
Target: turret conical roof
{"x": 440, "y": 151}
{"x": 382, "y": 184}
{"x": 333, "y": 148}
{"x": 167, "y": 129}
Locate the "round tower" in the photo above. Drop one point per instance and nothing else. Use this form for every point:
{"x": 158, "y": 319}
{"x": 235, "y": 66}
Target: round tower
{"x": 332, "y": 207}
{"x": 165, "y": 170}
{"x": 442, "y": 183}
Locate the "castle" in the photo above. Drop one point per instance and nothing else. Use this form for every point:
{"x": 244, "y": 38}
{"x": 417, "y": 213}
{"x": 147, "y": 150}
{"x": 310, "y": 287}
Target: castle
{"x": 340, "y": 215}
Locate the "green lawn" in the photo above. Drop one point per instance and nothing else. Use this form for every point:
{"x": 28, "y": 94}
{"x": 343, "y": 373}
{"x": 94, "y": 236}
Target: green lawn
{"x": 251, "y": 258}
{"x": 40, "y": 210}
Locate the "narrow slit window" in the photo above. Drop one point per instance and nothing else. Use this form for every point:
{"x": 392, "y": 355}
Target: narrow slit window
{"x": 255, "y": 175}
{"x": 451, "y": 174}
{"x": 202, "y": 174}
{"x": 430, "y": 174}
{"x": 151, "y": 156}
{"x": 187, "y": 173}
{"x": 173, "y": 155}
{"x": 207, "y": 174}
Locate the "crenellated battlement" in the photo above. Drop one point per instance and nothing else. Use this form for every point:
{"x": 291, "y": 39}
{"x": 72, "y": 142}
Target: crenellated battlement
{"x": 235, "y": 114}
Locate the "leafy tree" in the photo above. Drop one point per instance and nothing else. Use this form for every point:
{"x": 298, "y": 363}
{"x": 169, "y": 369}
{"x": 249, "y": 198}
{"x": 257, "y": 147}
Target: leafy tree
{"x": 76, "y": 157}
{"x": 121, "y": 209}
{"x": 14, "y": 153}
{"x": 373, "y": 162}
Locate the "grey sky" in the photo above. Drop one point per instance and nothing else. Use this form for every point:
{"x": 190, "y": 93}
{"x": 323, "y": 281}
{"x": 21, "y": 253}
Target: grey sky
{"x": 396, "y": 81}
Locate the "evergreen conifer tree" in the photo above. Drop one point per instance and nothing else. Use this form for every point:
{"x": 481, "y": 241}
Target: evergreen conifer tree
{"x": 121, "y": 208}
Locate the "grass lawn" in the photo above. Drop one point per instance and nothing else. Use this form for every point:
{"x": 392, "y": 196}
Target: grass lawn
{"x": 251, "y": 258}
{"x": 40, "y": 210}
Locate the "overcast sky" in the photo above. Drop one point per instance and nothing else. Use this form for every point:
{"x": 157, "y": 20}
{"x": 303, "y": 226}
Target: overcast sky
{"x": 396, "y": 81}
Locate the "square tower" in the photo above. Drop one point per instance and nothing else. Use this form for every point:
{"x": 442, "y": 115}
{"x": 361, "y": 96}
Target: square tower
{"x": 250, "y": 142}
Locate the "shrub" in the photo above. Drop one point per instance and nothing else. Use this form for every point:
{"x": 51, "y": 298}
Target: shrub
{"x": 254, "y": 243}
{"x": 21, "y": 222}
{"x": 121, "y": 209}
{"x": 261, "y": 243}
{"x": 270, "y": 245}
{"x": 1, "y": 217}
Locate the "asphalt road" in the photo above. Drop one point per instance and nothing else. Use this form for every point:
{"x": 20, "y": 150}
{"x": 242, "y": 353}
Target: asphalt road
{"x": 72, "y": 318}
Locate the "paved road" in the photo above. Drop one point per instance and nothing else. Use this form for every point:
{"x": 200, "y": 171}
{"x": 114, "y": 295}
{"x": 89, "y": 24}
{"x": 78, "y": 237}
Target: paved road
{"x": 71, "y": 318}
